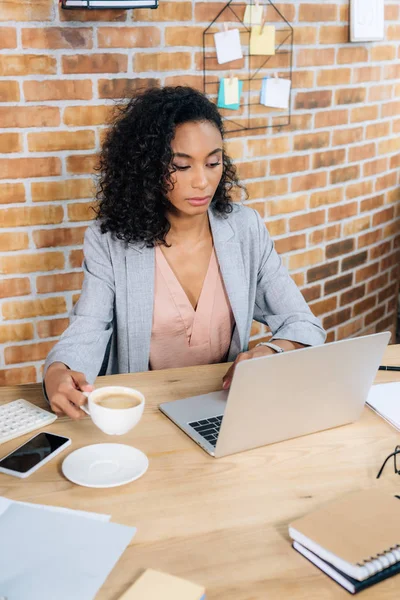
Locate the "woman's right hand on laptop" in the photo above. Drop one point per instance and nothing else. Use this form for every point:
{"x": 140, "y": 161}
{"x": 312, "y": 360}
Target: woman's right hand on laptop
{"x": 64, "y": 390}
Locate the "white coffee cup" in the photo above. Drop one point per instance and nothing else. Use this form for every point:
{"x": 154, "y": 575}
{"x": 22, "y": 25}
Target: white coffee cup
{"x": 111, "y": 420}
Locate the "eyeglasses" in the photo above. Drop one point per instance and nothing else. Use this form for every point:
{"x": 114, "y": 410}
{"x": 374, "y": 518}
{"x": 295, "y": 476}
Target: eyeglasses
{"x": 394, "y": 454}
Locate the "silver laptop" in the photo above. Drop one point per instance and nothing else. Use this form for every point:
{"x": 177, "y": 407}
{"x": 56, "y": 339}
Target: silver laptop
{"x": 282, "y": 396}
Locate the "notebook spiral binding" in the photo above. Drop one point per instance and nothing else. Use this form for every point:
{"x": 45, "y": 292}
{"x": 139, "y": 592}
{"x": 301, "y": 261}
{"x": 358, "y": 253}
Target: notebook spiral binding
{"x": 382, "y": 561}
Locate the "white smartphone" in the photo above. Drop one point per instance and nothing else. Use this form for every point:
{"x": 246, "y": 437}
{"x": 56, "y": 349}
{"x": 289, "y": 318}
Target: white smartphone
{"x": 26, "y": 459}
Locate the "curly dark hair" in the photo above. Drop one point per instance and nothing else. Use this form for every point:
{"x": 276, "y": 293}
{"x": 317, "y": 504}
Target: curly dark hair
{"x": 135, "y": 163}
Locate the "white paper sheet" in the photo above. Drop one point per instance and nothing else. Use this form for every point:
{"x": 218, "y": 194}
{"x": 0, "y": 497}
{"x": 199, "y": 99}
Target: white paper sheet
{"x": 6, "y": 502}
{"x": 55, "y": 554}
{"x": 384, "y": 398}
{"x": 276, "y": 92}
{"x": 227, "y": 44}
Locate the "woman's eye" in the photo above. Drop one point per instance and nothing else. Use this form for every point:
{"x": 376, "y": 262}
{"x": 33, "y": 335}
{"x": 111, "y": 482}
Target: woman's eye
{"x": 214, "y": 164}
{"x": 180, "y": 168}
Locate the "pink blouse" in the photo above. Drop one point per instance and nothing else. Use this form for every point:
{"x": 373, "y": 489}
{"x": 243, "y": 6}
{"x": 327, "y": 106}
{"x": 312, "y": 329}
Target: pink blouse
{"x": 182, "y": 336}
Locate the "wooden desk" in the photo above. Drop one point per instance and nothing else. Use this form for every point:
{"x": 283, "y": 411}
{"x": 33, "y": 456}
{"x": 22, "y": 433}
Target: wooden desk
{"x": 221, "y": 523}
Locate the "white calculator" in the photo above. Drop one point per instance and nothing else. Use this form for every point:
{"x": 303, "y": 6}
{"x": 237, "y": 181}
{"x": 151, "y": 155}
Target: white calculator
{"x": 19, "y": 417}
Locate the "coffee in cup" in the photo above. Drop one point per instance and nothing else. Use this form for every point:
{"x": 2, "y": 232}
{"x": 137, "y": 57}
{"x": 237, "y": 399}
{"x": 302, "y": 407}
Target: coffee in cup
{"x": 115, "y": 409}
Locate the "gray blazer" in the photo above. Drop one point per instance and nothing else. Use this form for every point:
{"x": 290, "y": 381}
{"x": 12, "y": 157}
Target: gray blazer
{"x": 111, "y": 323}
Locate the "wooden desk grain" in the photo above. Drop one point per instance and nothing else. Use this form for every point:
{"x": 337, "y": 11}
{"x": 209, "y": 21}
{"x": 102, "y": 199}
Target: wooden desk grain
{"x": 221, "y": 523}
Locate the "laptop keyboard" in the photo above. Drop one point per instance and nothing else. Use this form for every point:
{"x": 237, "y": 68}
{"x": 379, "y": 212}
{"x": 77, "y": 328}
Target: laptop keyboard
{"x": 208, "y": 428}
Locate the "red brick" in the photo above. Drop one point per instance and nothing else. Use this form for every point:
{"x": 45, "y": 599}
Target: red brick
{"x": 318, "y": 12}
{"x": 361, "y": 188}
{"x": 293, "y": 164}
{"x": 94, "y": 63}
{"x": 358, "y": 153}
{"x": 57, "y": 38}
{"x": 375, "y": 166}
{"x": 26, "y": 309}
{"x": 364, "y": 113}
{"x": 9, "y": 91}
{"x": 310, "y": 219}
{"x": 345, "y": 174}
{"x": 162, "y": 61}
{"x": 343, "y": 137}
{"x": 323, "y": 271}
{"x": 13, "y": 240}
{"x": 58, "y": 89}
{"x": 128, "y": 37}
{"x": 27, "y": 353}
{"x": 263, "y": 189}
{"x": 383, "y": 216}
{"x": 367, "y": 272}
{"x": 288, "y": 244}
{"x": 304, "y": 259}
{"x": 194, "y": 81}
{"x": 353, "y": 261}
{"x": 386, "y": 181}
{"x": 167, "y": 12}
{"x": 338, "y": 248}
{"x": 19, "y": 286}
{"x": 308, "y": 182}
{"x": 30, "y": 263}
{"x": 380, "y": 92}
{"x": 339, "y": 283}
{"x": 302, "y": 79}
{"x": 391, "y": 109}
{"x": 29, "y": 116}
{"x": 17, "y": 376}
{"x": 352, "y": 54}
{"x": 375, "y": 130}
{"x": 328, "y": 158}
{"x": 324, "y": 306}
{"x": 350, "y": 329}
{"x": 15, "y": 168}
{"x": 277, "y": 227}
{"x": 352, "y": 295}
{"x": 374, "y": 315}
{"x": 315, "y": 57}
{"x": 9, "y": 143}
{"x": 318, "y": 236}
{"x": 82, "y": 164}
{"x": 81, "y": 211}
{"x": 337, "y": 213}
{"x": 331, "y": 118}
{"x": 311, "y": 140}
{"x": 61, "y": 140}
{"x": 333, "y": 34}
{"x": 76, "y": 258}
{"x": 68, "y": 189}
{"x": 61, "y": 282}
{"x": 338, "y": 76}
{"x": 377, "y": 283}
{"x": 326, "y": 197}
{"x": 268, "y": 146}
{"x": 51, "y": 327}
{"x": 336, "y": 318}
{"x": 311, "y": 293}
{"x": 369, "y": 238}
{"x": 305, "y": 35}
{"x": 82, "y": 116}
{"x": 314, "y": 99}
{"x": 16, "y": 333}
{"x": 372, "y": 203}
{"x": 364, "y": 74}
{"x": 287, "y": 205}
{"x": 391, "y": 12}
{"x": 27, "y": 64}
{"x": 8, "y": 38}
{"x": 65, "y": 236}
{"x": 356, "y": 225}
{"x": 124, "y": 87}
{"x": 350, "y": 95}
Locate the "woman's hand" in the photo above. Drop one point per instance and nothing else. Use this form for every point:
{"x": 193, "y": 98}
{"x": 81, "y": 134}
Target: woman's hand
{"x": 64, "y": 389}
{"x": 254, "y": 353}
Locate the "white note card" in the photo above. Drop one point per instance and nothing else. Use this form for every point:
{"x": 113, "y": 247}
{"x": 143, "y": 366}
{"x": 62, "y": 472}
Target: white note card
{"x": 384, "y": 398}
{"x": 276, "y": 93}
{"x": 228, "y": 46}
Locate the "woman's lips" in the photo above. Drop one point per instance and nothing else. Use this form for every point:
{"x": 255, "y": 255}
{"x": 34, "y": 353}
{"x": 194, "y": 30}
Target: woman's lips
{"x": 199, "y": 201}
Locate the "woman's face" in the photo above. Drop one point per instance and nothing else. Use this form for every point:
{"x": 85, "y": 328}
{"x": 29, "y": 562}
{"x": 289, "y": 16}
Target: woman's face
{"x": 197, "y": 158}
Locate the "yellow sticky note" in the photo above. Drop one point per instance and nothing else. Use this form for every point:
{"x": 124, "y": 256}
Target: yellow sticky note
{"x": 262, "y": 40}
{"x": 253, "y": 14}
{"x": 231, "y": 90}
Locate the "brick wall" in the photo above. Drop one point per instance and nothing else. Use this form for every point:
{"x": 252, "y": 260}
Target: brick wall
{"x": 327, "y": 186}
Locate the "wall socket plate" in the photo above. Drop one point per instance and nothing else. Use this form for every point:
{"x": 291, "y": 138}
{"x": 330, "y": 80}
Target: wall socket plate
{"x": 367, "y": 20}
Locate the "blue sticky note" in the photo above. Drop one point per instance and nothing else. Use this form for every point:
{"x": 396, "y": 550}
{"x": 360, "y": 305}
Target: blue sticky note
{"x": 263, "y": 90}
{"x": 221, "y": 96}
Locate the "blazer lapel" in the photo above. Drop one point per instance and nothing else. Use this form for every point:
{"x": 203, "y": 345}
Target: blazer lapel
{"x": 230, "y": 260}
{"x": 140, "y": 264}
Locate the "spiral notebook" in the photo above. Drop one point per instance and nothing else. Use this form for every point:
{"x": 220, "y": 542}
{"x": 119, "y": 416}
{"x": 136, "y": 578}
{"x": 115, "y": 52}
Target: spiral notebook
{"x": 358, "y": 534}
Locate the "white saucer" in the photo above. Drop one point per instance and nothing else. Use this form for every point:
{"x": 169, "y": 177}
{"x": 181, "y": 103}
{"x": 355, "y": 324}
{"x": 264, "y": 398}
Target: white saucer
{"x": 105, "y": 465}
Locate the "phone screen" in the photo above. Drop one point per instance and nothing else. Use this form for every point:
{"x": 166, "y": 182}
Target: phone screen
{"x": 33, "y": 452}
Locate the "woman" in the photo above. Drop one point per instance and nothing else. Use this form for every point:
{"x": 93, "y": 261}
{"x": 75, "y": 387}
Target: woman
{"x": 174, "y": 272}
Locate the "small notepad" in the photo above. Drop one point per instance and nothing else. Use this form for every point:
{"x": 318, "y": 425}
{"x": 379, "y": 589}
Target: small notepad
{"x": 154, "y": 585}
{"x": 222, "y": 98}
{"x": 262, "y": 40}
{"x": 228, "y": 47}
{"x": 275, "y": 92}
{"x": 253, "y": 14}
{"x": 384, "y": 399}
